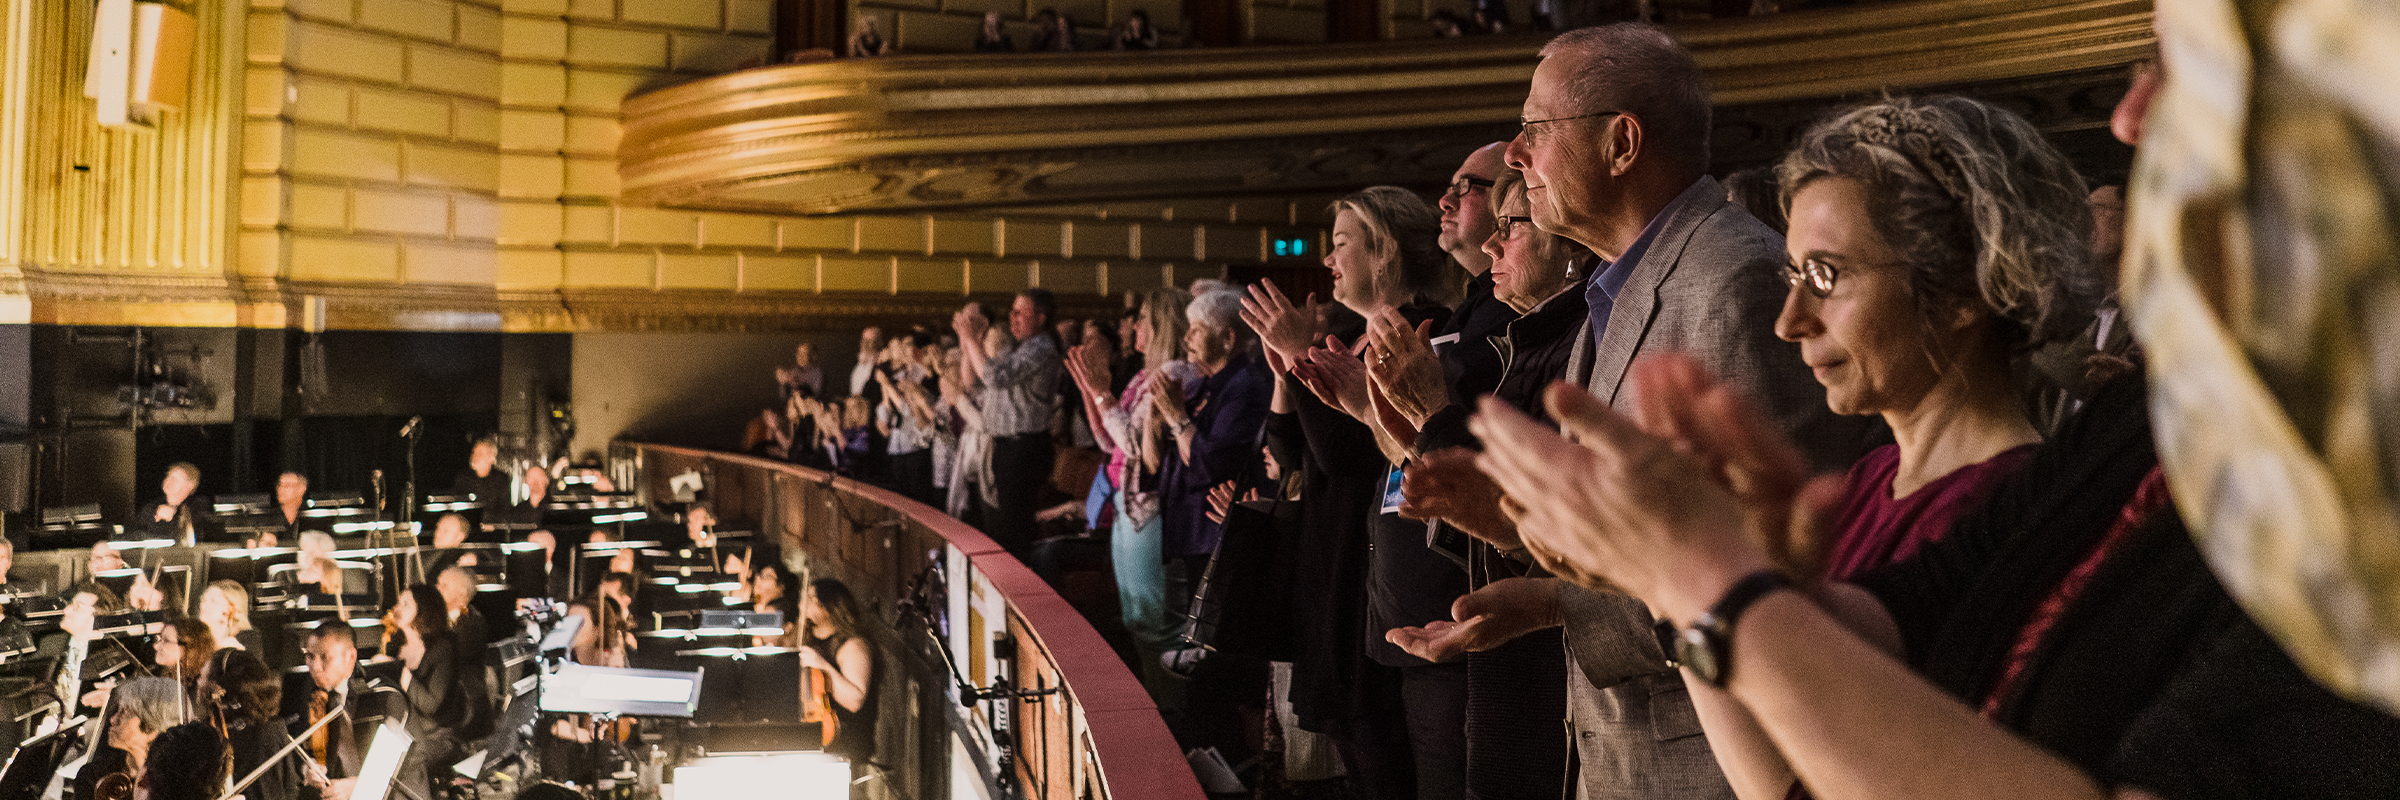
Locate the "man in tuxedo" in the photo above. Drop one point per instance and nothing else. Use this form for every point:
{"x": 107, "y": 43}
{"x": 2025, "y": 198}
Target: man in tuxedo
{"x": 340, "y": 747}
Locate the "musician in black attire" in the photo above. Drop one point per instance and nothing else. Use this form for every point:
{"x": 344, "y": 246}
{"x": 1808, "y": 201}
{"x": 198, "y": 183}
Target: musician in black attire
{"x": 341, "y": 746}
{"x": 529, "y": 512}
{"x": 291, "y": 498}
{"x": 472, "y": 636}
{"x": 483, "y": 478}
{"x": 240, "y": 694}
{"x": 181, "y": 513}
{"x": 435, "y": 700}
{"x": 834, "y": 646}
{"x": 144, "y": 707}
{"x": 187, "y": 762}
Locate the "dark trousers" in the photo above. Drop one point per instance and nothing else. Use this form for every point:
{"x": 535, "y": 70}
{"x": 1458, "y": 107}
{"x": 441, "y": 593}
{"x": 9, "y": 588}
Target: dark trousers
{"x": 1375, "y": 744}
{"x": 1435, "y": 698}
{"x": 912, "y": 475}
{"x": 1020, "y": 468}
{"x": 1516, "y": 703}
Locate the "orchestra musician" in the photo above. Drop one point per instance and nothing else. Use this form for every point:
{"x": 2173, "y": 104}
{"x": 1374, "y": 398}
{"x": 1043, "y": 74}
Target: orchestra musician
{"x": 528, "y": 512}
{"x": 82, "y": 657}
{"x": 435, "y": 703}
{"x": 187, "y": 762}
{"x": 240, "y": 695}
{"x": 225, "y": 608}
{"x": 145, "y": 708}
{"x": 318, "y": 572}
{"x": 181, "y": 513}
{"x": 468, "y": 629}
{"x": 842, "y": 671}
{"x": 142, "y": 595}
{"x": 182, "y": 651}
{"x": 607, "y": 633}
{"x": 482, "y": 478}
{"x": 291, "y": 498}
{"x": 337, "y": 750}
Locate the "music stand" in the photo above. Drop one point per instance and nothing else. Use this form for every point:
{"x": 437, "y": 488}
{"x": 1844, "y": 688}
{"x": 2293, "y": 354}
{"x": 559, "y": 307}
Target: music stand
{"x": 382, "y": 762}
{"x": 581, "y": 689}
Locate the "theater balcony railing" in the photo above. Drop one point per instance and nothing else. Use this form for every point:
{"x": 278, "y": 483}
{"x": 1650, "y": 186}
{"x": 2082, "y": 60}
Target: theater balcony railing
{"x": 1047, "y": 709}
{"x": 963, "y": 131}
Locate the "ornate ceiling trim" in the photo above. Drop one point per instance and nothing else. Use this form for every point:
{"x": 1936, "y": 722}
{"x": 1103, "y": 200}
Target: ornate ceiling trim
{"x": 968, "y": 131}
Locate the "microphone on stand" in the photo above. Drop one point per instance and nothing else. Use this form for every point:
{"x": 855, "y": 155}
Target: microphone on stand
{"x": 375, "y": 480}
{"x": 410, "y": 429}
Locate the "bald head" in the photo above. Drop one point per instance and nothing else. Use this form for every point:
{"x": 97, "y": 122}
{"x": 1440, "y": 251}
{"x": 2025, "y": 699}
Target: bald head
{"x": 1467, "y": 209}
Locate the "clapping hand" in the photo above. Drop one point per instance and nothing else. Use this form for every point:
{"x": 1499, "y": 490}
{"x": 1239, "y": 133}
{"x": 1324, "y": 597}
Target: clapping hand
{"x": 1446, "y": 485}
{"x": 1285, "y": 329}
{"x": 1337, "y": 377}
{"x": 1406, "y": 369}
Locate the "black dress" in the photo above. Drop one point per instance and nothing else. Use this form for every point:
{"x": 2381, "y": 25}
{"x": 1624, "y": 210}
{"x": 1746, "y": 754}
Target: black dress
{"x": 854, "y": 731}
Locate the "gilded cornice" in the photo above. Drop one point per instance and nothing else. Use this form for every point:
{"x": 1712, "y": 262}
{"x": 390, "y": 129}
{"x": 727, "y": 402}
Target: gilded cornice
{"x": 924, "y": 132}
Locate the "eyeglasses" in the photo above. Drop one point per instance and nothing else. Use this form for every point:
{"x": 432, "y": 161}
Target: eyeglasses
{"x": 1460, "y": 187}
{"x": 1525, "y": 127}
{"x": 1817, "y": 274}
{"x": 1508, "y": 225}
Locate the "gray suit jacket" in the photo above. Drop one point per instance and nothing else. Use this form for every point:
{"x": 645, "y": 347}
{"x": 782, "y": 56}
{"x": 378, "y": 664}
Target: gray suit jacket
{"x": 1709, "y": 286}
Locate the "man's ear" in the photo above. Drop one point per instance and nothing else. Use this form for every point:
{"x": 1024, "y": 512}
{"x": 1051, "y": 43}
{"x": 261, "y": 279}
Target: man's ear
{"x": 1622, "y": 140}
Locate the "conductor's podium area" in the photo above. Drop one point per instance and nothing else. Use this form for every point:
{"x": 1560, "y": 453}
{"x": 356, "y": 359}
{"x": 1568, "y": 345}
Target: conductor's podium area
{"x": 608, "y": 645}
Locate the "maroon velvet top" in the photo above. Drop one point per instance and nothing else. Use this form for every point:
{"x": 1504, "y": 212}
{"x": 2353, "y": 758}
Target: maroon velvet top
{"x": 1877, "y": 529}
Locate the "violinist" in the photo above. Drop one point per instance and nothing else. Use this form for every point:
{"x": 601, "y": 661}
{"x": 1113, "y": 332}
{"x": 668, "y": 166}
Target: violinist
{"x": 141, "y": 595}
{"x": 240, "y": 695}
{"x": 607, "y": 633}
{"x": 337, "y": 751}
{"x": 182, "y": 652}
{"x": 145, "y": 707}
{"x": 435, "y": 702}
{"x": 225, "y": 608}
{"x": 843, "y": 671}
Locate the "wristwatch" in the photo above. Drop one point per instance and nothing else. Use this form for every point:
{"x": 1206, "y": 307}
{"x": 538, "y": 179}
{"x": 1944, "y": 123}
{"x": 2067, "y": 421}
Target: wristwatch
{"x": 1706, "y": 648}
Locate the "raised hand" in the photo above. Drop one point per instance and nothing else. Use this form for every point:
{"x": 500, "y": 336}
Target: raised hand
{"x": 1394, "y": 424}
{"x": 1407, "y": 369}
{"x": 1286, "y": 330}
{"x": 1338, "y": 378}
{"x": 1446, "y": 485}
{"x": 1220, "y": 499}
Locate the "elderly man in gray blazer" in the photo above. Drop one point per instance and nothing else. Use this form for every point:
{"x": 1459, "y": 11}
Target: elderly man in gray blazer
{"x": 1614, "y": 149}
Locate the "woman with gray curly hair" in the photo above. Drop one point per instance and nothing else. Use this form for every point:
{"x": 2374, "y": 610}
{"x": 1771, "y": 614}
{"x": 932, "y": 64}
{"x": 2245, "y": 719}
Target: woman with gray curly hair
{"x": 1932, "y": 241}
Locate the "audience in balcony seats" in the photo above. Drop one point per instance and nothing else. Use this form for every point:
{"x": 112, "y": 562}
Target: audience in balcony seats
{"x": 866, "y": 39}
{"x": 1128, "y": 427}
{"x": 1399, "y": 718}
{"x": 1212, "y": 419}
{"x": 1446, "y": 24}
{"x": 993, "y": 38}
{"x": 2074, "y": 367}
{"x": 180, "y": 512}
{"x": 862, "y": 373}
{"x": 1696, "y": 275}
{"x": 802, "y": 376}
{"x": 1135, "y": 33}
{"x": 1020, "y": 392}
{"x": 906, "y": 420}
{"x": 2068, "y": 639}
{"x": 1489, "y": 16}
{"x": 1053, "y": 32}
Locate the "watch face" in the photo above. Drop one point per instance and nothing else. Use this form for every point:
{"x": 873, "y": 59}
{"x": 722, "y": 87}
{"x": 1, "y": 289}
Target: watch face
{"x": 1691, "y": 648}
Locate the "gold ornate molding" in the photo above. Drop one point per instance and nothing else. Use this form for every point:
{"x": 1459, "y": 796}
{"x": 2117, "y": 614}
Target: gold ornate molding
{"x": 925, "y": 132}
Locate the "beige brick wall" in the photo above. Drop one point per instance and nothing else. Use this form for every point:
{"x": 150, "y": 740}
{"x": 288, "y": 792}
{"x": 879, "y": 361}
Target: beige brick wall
{"x": 474, "y": 142}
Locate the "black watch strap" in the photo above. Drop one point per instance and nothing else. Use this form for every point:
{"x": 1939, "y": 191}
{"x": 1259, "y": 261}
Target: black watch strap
{"x": 1706, "y": 648}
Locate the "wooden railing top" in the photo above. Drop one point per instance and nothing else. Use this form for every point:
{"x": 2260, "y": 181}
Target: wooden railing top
{"x": 1138, "y": 756}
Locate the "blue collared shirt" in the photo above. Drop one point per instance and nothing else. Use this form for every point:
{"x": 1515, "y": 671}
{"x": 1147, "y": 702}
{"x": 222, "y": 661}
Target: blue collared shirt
{"x": 1601, "y": 292}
